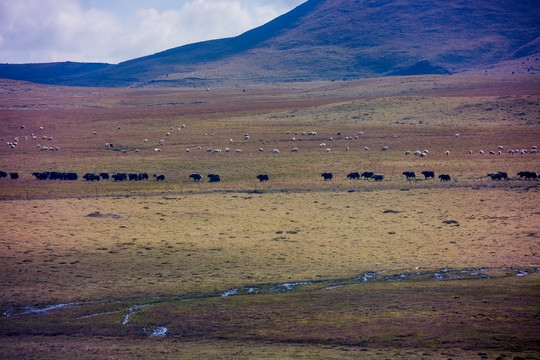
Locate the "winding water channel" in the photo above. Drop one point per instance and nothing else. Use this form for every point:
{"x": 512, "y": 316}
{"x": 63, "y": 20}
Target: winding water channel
{"x": 132, "y": 309}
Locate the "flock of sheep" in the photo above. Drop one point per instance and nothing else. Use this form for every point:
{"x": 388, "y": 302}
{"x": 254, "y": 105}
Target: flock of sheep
{"x": 293, "y": 137}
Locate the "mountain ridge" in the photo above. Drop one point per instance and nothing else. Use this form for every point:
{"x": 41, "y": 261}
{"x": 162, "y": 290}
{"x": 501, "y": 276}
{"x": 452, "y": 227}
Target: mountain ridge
{"x": 341, "y": 39}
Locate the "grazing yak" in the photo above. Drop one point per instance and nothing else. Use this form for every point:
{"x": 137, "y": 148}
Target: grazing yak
{"x": 327, "y": 176}
{"x": 353, "y": 176}
{"x": 3, "y": 174}
{"x": 428, "y": 174}
{"x": 14, "y": 175}
{"x": 444, "y": 177}
{"x": 367, "y": 174}
{"x": 40, "y": 175}
{"x": 119, "y": 176}
{"x": 498, "y": 176}
{"x": 213, "y": 178}
{"x": 262, "y": 177}
{"x": 104, "y": 176}
{"x": 195, "y": 177}
{"x": 70, "y": 176}
{"x": 528, "y": 175}
{"x": 133, "y": 177}
{"x": 409, "y": 175}
{"x": 159, "y": 177}
{"x": 91, "y": 177}
{"x": 377, "y": 177}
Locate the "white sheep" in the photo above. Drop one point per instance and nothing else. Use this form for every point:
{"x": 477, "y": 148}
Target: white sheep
{"x": 294, "y": 150}
{"x": 447, "y": 152}
{"x": 157, "y": 150}
{"x": 275, "y": 151}
{"x": 385, "y": 148}
{"x": 238, "y": 151}
{"x": 407, "y": 153}
{"x": 327, "y": 150}
{"x": 366, "y": 148}
{"x": 187, "y": 150}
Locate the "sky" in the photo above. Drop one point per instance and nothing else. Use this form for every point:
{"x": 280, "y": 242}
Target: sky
{"x": 112, "y": 31}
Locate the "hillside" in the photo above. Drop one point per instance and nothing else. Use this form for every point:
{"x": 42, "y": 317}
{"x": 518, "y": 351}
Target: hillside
{"x": 343, "y": 39}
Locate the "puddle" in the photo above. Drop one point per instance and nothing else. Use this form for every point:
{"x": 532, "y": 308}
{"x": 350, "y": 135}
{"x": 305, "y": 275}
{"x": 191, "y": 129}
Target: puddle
{"x": 160, "y": 331}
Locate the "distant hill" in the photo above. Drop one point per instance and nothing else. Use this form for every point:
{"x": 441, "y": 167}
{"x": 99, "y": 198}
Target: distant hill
{"x": 50, "y": 73}
{"x": 335, "y": 40}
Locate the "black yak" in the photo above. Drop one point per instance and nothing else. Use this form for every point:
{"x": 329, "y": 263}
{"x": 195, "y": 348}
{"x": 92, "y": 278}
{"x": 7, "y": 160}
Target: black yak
{"x": 444, "y": 177}
{"x": 327, "y": 176}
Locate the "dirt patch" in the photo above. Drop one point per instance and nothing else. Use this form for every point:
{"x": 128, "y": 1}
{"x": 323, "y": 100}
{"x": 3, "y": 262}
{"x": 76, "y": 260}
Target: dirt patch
{"x": 105, "y": 216}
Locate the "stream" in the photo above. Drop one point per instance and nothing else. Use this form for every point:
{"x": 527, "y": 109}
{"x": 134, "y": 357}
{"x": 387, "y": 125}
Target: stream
{"x": 445, "y": 274}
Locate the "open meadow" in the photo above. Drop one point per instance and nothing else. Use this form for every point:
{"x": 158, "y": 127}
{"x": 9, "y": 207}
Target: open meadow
{"x": 293, "y": 267}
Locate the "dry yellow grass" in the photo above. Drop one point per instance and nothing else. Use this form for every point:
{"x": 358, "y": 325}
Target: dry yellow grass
{"x": 176, "y": 244}
{"x": 175, "y": 237}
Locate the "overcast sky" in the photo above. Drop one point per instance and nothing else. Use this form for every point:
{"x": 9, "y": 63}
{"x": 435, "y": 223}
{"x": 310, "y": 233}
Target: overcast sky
{"x": 117, "y": 30}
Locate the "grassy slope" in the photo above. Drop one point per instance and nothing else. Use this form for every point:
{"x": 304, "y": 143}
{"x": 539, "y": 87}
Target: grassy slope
{"x": 179, "y": 237}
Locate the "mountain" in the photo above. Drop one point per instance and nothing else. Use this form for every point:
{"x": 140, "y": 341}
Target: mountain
{"x": 342, "y": 39}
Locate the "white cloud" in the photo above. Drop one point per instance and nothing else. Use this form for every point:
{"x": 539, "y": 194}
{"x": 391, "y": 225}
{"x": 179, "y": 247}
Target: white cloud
{"x": 62, "y": 30}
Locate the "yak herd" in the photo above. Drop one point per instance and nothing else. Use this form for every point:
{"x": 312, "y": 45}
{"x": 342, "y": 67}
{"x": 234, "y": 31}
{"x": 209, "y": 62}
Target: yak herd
{"x": 367, "y": 175}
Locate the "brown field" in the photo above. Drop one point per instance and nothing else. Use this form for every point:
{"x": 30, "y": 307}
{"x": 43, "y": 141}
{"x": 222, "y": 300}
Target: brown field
{"x": 105, "y": 247}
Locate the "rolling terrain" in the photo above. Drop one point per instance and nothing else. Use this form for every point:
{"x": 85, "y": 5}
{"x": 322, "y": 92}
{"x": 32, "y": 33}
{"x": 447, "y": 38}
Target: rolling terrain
{"x": 293, "y": 267}
{"x": 332, "y": 40}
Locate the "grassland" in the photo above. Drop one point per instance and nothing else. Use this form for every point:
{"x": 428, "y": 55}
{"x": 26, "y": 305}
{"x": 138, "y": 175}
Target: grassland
{"x": 111, "y": 246}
